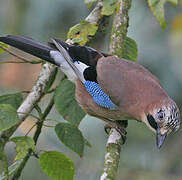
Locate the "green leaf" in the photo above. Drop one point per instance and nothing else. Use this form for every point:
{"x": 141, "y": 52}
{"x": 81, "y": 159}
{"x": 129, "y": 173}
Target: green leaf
{"x": 89, "y": 3}
{"x": 14, "y": 100}
{"x": 80, "y": 32}
{"x": 157, "y": 7}
{"x": 173, "y": 2}
{"x": 4, "y": 45}
{"x": 11, "y": 169}
{"x": 8, "y": 116}
{"x": 23, "y": 144}
{"x": 71, "y": 136}
{"x": 66, "y": 104}
{"x": 130, "y": 49}
{"x": 77, "y": 40}
{"x": 109, "y": 7}
{"x": 57, "y": 165}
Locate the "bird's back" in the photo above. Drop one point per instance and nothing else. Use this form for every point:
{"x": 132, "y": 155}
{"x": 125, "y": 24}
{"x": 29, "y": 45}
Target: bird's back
{"x": 128, "y": 84}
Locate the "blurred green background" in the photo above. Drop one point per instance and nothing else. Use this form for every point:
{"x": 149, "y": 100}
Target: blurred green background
{"x": 159, "y": 51}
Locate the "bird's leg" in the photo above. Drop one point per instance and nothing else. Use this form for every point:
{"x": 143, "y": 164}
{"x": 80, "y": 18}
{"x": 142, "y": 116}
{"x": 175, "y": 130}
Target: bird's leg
{"x": 119, "y": 125}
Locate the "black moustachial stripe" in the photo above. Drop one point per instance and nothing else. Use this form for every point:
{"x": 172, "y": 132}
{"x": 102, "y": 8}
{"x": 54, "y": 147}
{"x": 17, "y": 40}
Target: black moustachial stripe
{"x": 151, "y": 121}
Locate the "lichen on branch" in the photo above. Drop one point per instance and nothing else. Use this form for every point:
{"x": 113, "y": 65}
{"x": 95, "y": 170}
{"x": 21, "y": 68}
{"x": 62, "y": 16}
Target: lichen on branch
{"x": 119, "y": 28}
{"x": 118, "y": 36}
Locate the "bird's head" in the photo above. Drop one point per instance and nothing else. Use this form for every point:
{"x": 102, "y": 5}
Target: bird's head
{"x": 164, "y": 120}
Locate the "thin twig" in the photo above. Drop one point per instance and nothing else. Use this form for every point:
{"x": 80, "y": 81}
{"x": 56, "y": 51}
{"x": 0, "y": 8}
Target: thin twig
{"x": 24, "y": 92}
{"x": 35, "y": 117}
{"x": 52, "y": 120}
{"x": 21, "y": 62}
{"x": 10, "y": 62}
{"x": 95, "y": 15}
{"x": 48, "y": 126}
{"x": 35, "y": 138}
{"x": 30, "y": 129}
{"x": 14, "y": 54}
{"x": 51, "y": 90}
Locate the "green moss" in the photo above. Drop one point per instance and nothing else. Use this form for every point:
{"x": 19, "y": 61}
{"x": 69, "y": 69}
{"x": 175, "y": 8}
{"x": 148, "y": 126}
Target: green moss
{"x": 119, "y": 32}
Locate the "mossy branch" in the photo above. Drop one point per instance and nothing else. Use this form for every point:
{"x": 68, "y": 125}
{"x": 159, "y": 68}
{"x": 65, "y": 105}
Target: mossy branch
{"x": 119, "y": 28}
{"x": 112, "y": 156}
{"x": 118, "y": 35}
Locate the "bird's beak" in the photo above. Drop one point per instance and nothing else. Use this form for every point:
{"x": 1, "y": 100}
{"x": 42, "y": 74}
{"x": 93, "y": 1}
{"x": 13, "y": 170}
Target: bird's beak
{"x": 160, "y": 138}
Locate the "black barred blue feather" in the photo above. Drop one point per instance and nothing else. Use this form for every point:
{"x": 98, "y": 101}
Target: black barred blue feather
{"x": 98, "y": 95}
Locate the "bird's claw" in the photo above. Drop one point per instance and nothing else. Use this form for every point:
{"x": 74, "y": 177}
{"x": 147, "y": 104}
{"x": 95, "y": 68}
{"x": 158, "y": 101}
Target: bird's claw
{"x": 119, "y": 126}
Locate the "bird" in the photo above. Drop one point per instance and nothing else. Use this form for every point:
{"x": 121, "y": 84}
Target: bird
{"x": 107, "y": 87}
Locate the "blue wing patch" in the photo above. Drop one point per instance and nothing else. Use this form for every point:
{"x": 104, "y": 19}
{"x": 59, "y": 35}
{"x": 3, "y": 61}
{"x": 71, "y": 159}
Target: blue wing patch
{"x": 98, "y": 95}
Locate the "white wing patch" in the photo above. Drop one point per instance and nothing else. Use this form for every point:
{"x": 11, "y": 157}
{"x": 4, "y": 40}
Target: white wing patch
{"x": 65, "y": 67}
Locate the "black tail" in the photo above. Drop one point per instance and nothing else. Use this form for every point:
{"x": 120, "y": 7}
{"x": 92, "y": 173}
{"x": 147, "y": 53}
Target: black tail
{"x": 84, "y": 54}
{"x": 29, "y": 45}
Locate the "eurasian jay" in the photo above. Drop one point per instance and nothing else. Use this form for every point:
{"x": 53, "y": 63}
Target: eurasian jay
{"x": 107, "y": 87}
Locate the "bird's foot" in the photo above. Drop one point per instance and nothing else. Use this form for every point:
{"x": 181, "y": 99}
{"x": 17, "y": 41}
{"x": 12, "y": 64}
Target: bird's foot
{"x": 119, "y": 126}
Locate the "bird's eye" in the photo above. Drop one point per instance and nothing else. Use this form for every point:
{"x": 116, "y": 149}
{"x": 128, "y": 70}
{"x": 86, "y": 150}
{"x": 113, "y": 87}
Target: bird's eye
{"x": 161, "y": 114}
